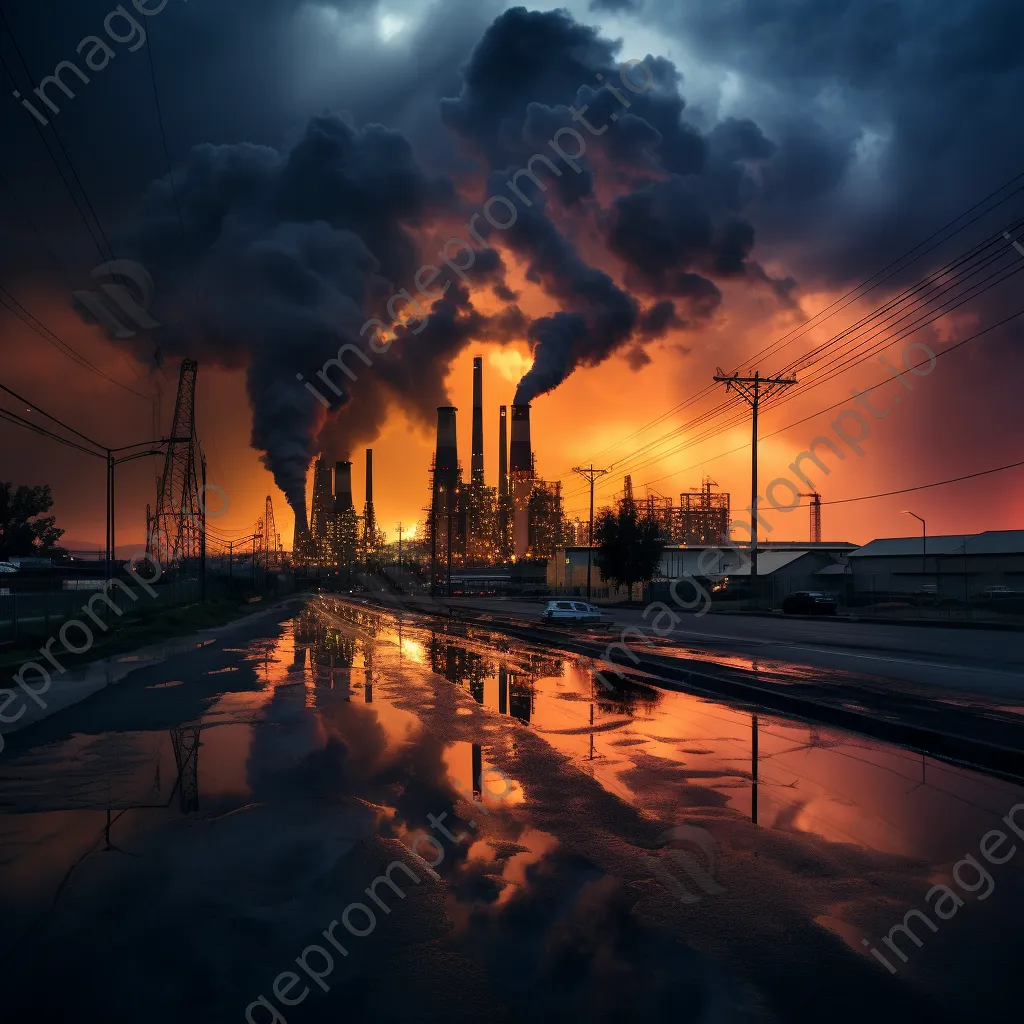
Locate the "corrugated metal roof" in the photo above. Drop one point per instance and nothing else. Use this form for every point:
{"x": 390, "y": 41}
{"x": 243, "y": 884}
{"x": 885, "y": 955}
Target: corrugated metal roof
{"x": 991, "y": 542}
{"x": 832, "y": 570}
{"x": 895, "y": 547}
{"x": 996, "y": 542}
{"x": 767, "y": 563}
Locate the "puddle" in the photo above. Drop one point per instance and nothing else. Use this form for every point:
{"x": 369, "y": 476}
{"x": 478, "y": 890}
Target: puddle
{"x": 233, "y": 828}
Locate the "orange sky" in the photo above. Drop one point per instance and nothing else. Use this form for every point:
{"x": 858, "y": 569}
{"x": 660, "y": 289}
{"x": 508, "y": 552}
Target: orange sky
{"x": 922, "y": 440}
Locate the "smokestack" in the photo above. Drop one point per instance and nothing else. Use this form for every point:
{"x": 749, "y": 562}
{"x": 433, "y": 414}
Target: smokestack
{"x": 477, "y": 466}
{"x": 503, "y": 453}
{"x": 446, "y": 460}
{"x": 521, "y": 454}
{"x": 369, "y": 476}
{"x": 342, "y": 486}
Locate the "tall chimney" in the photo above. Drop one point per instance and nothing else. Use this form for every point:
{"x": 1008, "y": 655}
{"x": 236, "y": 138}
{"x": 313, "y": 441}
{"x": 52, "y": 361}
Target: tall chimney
{"x": 446, "y": 458}
{"x": 503, "y": 453}
{"x": 369, "y": 476}
{"x": 342, "y": 486}
{"x": 521, "y": 454}
{"x": 477, "y": 466}
{"x": 521, "y": 478}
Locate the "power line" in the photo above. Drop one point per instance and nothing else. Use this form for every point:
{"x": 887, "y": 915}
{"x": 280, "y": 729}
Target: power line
{"x": 928, "y": 245}
{"x": 20, "y": 421}
{"x": 991, "y": 281}
{"x": 925, "y": 487}
{"x": 42, "y": 412}
{"x": 9, "y": 302}
{"x": 835, "y": 405}
{"x": 109, "y": 253}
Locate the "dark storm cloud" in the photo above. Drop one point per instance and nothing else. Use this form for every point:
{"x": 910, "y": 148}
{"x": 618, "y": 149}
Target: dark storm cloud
{"x": 530, "y": 80}
{"x": 890, "y": 117}
{"x": 281, "y": 258}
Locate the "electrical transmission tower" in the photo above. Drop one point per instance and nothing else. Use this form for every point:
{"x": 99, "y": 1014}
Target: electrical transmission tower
{"x": 753, "y": 390}
{"x": 270, "y": 554}
{"x": 177, "y": 522}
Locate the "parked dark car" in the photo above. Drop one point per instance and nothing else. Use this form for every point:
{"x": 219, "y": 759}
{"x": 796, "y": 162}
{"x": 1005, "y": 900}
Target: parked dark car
{"x": 809, "y": 602}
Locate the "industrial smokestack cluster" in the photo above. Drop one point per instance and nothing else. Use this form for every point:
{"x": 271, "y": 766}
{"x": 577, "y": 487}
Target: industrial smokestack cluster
{"x": 505, "y": 529}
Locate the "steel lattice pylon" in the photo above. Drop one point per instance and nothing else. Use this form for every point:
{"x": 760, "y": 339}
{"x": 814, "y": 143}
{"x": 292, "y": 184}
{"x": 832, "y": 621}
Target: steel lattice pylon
{"x": 270, "y": 545}
{"x": 185, "y": 743}
{"x": 177, "y": 523}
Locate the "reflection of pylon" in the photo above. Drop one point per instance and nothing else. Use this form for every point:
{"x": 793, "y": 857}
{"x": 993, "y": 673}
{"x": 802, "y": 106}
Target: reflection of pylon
{"x": 185, "y": 741}
{"x": 177, "y": 522}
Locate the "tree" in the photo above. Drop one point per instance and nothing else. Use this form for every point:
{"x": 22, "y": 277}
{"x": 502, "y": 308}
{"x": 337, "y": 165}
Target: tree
{"x": 24, "y": 529}
{"x": 629, "y": 544}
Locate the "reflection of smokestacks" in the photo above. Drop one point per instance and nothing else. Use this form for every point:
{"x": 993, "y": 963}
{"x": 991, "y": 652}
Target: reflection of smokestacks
{"x": 342, "y": 486}
{"x": 369, "y": 516}
{"x": 446, "y": 459}
{"x": 521, "y": 458}
{"x": 503, "y": 453}
{"x": 477, "y": 466}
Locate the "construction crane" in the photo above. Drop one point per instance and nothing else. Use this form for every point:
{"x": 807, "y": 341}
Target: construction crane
{"x": 815, "y": 507}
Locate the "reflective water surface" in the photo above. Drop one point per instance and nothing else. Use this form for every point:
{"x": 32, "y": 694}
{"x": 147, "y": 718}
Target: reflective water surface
{"x": 640, "y": 854}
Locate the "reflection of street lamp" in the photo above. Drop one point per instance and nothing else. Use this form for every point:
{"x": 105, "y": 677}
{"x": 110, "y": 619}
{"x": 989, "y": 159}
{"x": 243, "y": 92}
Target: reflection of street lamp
{"x": 924, "y": 542}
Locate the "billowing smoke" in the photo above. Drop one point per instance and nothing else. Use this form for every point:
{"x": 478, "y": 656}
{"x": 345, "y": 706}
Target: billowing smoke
{"x": 281, "y": 258}
{"x": 679, "y": 227}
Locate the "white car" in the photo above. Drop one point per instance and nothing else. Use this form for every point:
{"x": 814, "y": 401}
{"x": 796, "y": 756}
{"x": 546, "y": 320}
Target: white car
{"x": 571, "y": 611}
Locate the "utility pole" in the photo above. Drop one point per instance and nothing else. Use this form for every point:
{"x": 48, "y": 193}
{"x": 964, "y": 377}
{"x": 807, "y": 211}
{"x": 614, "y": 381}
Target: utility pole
{"x": 399, "y": 528}
{"x": 231, "y": 565}
{"x": 752, "y": 390}
{"x": 590, "y": 475}
{"x": 202, "y": 539}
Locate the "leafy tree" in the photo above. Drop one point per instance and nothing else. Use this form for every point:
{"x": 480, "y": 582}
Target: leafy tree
{"x": 24, "y": 529}
{"x": 629, "y": 544}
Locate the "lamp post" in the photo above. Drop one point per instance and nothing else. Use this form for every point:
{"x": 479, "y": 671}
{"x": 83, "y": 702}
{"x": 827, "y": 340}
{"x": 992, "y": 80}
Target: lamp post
{"x": 924, "y": 543}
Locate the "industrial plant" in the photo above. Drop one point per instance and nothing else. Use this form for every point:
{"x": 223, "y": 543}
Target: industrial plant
{"x": 467, "y": 523}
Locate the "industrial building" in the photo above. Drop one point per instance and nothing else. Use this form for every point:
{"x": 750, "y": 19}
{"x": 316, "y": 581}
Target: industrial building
{"x": 789, "y": 565}
{"x": 336, "y": 535}
{"x": 471, "y": 524}
{"x": 961, "y": 568}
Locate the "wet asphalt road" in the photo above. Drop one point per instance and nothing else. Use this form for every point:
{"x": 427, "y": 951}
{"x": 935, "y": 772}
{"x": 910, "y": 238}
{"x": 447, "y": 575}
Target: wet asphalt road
{"x": 977, "y": 660}
{"x": 170, "y": 848}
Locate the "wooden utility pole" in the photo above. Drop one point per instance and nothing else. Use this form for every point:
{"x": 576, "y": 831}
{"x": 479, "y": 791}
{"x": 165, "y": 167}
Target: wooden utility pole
{"x": 752, "y": 390}
{"x": 590, "y": 475}
{"x": 399, "y": 528}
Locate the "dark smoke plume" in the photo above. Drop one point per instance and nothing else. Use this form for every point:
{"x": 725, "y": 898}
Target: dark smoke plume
{"x": 679, "y": 227}
{"x": 282, "y": 259}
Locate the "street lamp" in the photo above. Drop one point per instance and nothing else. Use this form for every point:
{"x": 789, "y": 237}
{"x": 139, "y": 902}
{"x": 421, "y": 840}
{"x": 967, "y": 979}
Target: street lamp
{"x": 924, "y": 541}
